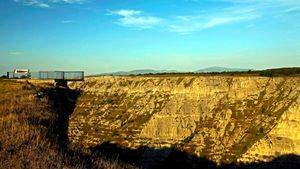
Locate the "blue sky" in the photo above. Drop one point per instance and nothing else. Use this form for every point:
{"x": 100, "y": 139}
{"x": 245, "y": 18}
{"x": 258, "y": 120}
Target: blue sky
{"x": 111, "y": 35}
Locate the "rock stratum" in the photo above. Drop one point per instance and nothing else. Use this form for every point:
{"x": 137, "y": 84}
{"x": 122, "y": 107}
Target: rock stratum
{"x": 222, "y": 118}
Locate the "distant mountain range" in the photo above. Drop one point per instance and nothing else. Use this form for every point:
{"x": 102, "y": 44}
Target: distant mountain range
{"x": 139, "y": 71}
{"x": 151, "y": 71}
{"x": 220, "y": 69}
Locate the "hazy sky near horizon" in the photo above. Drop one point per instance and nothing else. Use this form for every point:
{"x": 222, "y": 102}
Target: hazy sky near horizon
{"x": 112, "y": 35}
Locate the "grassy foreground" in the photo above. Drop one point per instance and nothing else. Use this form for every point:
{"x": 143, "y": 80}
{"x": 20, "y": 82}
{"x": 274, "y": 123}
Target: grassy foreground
{"x": 32, "y": 130}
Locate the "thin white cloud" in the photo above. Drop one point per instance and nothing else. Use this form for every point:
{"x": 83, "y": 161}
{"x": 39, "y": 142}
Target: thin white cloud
{"x": 292, "y": 10}
{"x": 250, "y": 25}
{"x": 36, "y": 3}
{"x": 135, "y": 18}
{"x": 67, "y": 21}
{"x": 265, "y": 3}
{"x": 197, "y": 25}
{"x": 207, "y": 20}
{"x": 235, "y": 11}
{"x": 68, "y": 1}
{"x": 183, "y": 24}
{"x": 48, "y": 3}
{"x": 125, "y": 13}
{"x": 262, "y": 1}
{"x": 15, "y": 53}
{"x": 221, "y": 21}
{"x": 192, "y": 0}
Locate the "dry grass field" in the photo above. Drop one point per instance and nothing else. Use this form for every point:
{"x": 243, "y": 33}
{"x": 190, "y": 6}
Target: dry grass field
{"x": 33, "y": 130}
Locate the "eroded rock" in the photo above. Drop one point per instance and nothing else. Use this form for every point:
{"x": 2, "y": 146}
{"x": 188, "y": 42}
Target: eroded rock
{"x": 221, "y": 118}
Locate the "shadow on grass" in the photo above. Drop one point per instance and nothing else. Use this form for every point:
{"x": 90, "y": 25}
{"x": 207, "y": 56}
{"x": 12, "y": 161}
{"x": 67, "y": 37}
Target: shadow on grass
{"x": 63, "y": 102}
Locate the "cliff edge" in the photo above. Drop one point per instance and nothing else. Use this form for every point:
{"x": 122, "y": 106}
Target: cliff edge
{"x": 222, "y": 118}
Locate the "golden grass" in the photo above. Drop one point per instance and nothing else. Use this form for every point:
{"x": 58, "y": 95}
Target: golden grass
{"x": 27, "y": 132}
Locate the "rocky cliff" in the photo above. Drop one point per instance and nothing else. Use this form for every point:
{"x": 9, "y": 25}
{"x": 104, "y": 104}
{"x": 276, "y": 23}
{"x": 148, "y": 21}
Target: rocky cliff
{"x": 222, "y": 118}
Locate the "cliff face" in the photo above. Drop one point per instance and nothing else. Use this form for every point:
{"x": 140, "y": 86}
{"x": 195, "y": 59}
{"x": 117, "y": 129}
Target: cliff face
{"x": 222, "y": 118}
{"x": 284, "y": 138}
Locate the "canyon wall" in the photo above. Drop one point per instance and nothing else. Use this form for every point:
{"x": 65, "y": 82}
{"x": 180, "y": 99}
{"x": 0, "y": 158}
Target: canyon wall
{"x": 222, "y": 118}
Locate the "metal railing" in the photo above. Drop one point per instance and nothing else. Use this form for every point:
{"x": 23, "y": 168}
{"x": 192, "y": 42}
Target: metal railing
{"x": 61, "y": 75}
{"x": 49, "y": 75}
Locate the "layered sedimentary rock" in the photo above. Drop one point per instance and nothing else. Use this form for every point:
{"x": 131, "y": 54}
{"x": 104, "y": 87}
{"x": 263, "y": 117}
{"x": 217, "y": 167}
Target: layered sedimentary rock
{"x": 222, "y": 118}
{"x": 283, "y": 139}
